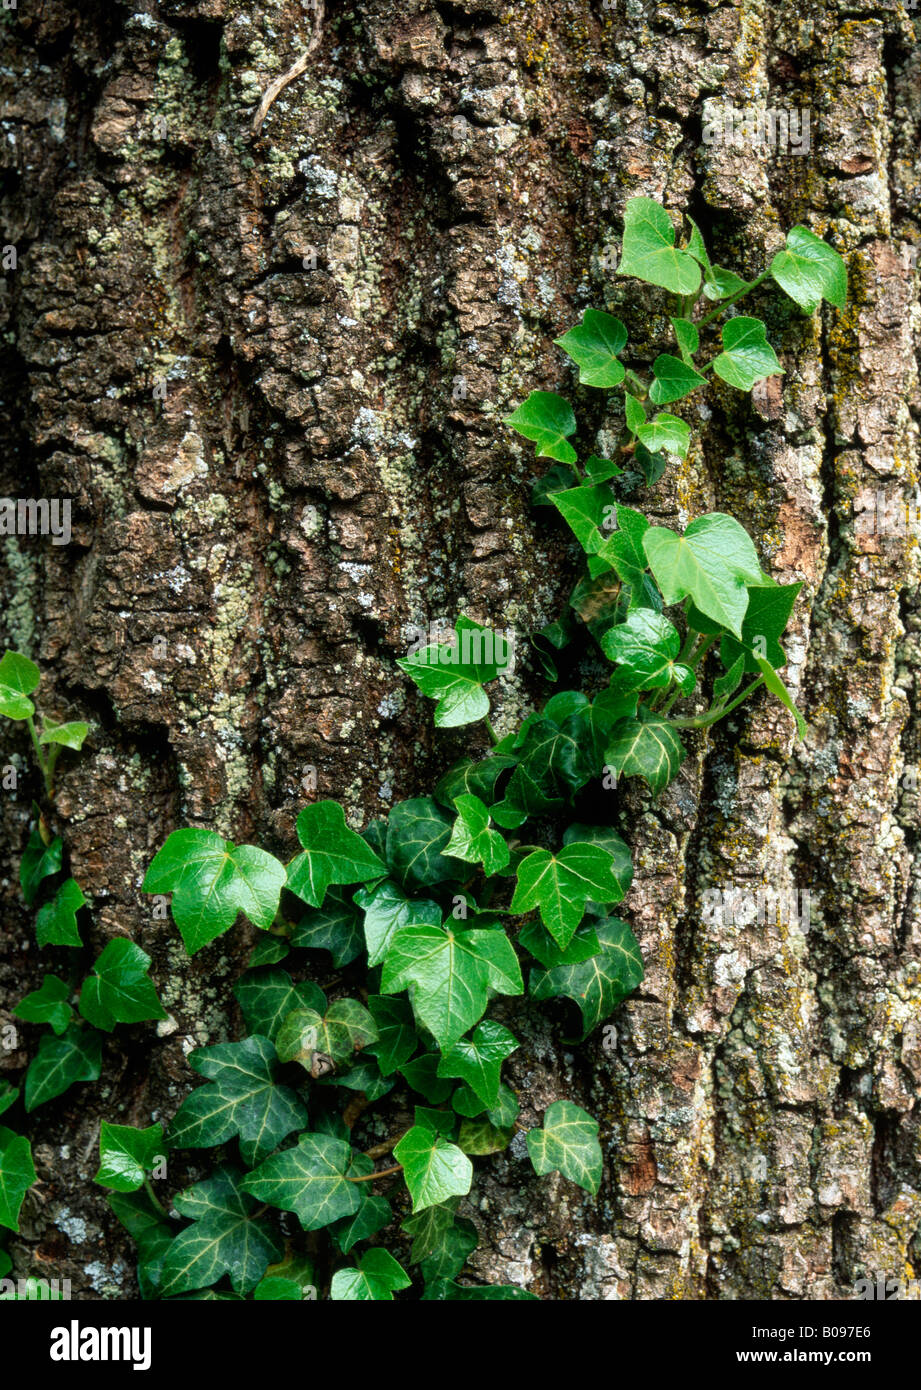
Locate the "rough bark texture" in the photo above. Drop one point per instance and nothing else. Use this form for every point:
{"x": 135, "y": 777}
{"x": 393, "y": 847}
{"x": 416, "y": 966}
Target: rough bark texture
{"x": 248, "y": 553}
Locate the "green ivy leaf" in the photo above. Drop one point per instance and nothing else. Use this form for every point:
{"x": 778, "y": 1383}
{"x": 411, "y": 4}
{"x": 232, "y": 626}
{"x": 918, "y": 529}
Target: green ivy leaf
{"x": 477, "y": 1060}
{"x": 449, "y": 972}
{"x": 417, "y": 832}
{"x": 9, "y": 1094}
{"x": 560, "y": 885}
{"x": 372, "y": 1216}
{"x": 723, "y": 284}
{"x": 623, "y": 550}
{"x": 469, "y": 778}
{"x": 727, "y": 685}
{"x": 127, "y": 1155}
{"x": 645, "y": 647}
{"x": 666, "y": 432}
{"x": 56, "y": 921}
{"x": 600, "y": 470}
{"x": 446, "y": 1290}
{"x": 596, "y": 985}
{"x": 309, "y": 1180}
{"x": 226, "y": 1238}
{"x": 674, "y": 379}
{"x": 712, "y": 562}
{"x": 243, "y": 1100}
{"x": 366, "y": 1077}
{"x": 68, "y": 735}
{"x": 47, "y": 1005}
{"x": 376, "y": 1278}
{"x": 442, "y": 1241}
{"x": 568, "y": 1143}
{"x": 584, "y": 944}
{"x": 18, "y": 678}
{"x": 151, "y": 1233}
{"x": 479, "y": 1137}
{"x": 687, "y": 337}
{"x": 335, "y": 927}
{"x": 17, "y": 1174}
{"x": 454, "y": 672}
{"x": 212, "y": 880}
{"x": 60, "y": 1062}
{"x": 119, "y": 990}
{"x": 386, "y": 907}
{"x": 332, "y": 854}
{"x": 747, "y": 355}
{"x": 634, "y": 412}
{"x": 346, "y": 1027}
{"x": 473, "y": 841}
{"x": 809, "y": 270}
{"x": 421, "y": 1074}
{"x": 278, "y": 1289}
{"x": 589, "y": 513}
{"x": 268, "y": 950}
{"x": 766, "y": 618}
{"x": 776, "y": 686}
{"x": 593, "y": 345}
{"x": 268, "y": 996}
{"x": 396, "y": 1033}
{"x": 646, "y": 747}
{"x": 39, "y": 861}
{"x": 546, "y": 419}
{"x": 434, "y": 1169}
{"x": 649, "y": 251}
{"x": 558, "y": 475}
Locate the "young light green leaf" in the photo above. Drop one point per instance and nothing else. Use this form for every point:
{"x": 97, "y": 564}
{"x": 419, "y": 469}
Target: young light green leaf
{"x": 478, "y": 1059}
{"x": 39, "y": 861}
{"x": 448, "y": 974}
{"x": 127, "y": 1155}
{"x": 600, "y": 470}
{"x": 723, "y": 284}
{"x": 673, "y": 379}
{"x": 635, "y": 414}
{"x": 434, "y": 1169}
{"x": 454, "y": 672}
{"x": 646, "y": 747}
{"x": 68, "y": 735}
{"x": 17, "y": 1174}
{"x": 56, "y": 921}
{"x": 560, "y": 885}
{"x": 60, "y": 1062}
{"x": 547, "y": 419}
{"x": 375, "y": 1278}
{"x": 809, "y": 270}
{"x": 776, "y": 686}
{"x": 568, "y": 1142}
{"x": 589, "y": 513}
{"x": 120, "y": 990}
{"x": 227, "y": 1237}
{"x": 268, "y": 996}
{"x": 47, "y": 1005}
{"x": 309, "y": 1180}
{"x": 665, "y": 433}
{"x": 212, "y": 880}
{"x": 712, "y": 562}
{"x": 386, "y": 907}
{"x": 332, "y": 854}
{"x": 747, "y": 355}
{"x": 598, "y": 984}
{"x": 649, "y": 250}
{"x": 473, "y": 841}
{"x": 18, "y": 678}
{"x": 593, "y": 345}
{"x": 687, "y": 337}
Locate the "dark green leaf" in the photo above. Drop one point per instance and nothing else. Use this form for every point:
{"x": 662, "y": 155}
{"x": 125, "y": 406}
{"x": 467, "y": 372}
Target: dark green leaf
{"x": 47, "y": 1005}
{"x": 120, "y": 990}
{"x": 243, "y": 1099}
{"x": 227, "y": 1237}
{"x": 17, "y": 1174}
{"x": 268, "y": 996}
{"x": 127, "y": 1154}
{"x": 39, "y": 861}
{"x": 597, "y": 985}
{"x": 334, "y": 927}
{"x": 60, "y": 1062}
{"x": 646, "y": 747}
{"x": 309, "y": 1180}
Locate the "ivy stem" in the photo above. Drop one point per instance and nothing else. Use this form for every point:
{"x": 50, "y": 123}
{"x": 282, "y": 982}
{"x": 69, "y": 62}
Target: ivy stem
{"x": 702, "y": 721}
{"x": 384, "y": 1173}
{"x": 490, "y": 730}
{"x": 148, "y": 1188}
{"x": 46, "y": 766}
{"x": 739, "y": 294}
{"x": 696, "y": 657}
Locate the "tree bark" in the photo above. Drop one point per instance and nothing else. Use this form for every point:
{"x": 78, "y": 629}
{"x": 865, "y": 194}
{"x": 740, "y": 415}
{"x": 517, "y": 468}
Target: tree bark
{"x": 276, "y": 470}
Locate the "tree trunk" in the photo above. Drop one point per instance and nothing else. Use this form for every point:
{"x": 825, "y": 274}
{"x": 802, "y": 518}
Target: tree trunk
{"x": 270, "y": 371}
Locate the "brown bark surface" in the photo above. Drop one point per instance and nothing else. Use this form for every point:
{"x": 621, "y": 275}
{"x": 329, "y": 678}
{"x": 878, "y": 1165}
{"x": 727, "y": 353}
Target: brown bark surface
{"x": 250, "y": 551}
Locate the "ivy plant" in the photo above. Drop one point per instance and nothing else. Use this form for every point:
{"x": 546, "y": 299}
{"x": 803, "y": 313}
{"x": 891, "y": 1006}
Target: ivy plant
{"x": 503, "y": 879}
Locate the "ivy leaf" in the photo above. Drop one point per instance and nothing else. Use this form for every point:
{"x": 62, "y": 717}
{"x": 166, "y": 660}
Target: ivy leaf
{"x": 593, "y": 345}
{"x": 727, "y": 685}
{"x": 559, "y": 475}
{"x": 645, "y": 647}
{"x": 47, "y": 1005}
{"x": 332, "y": 854}
{"x": 747, "y": 355}
{"x": 422, "y": 1076}
{"x": 278, "y": 1289}
{"x": 454, "y": 672}
{"x": 268, "y": 996}
{"x": 226, "y": 1238}
{"x": 473, "y": 841}
{"x": 243, "y": 1099}
{"x": 598, "y": 984}
{"x": 309, "y": 1180}
{"x": 344, "y": 1028}
{"x": 712, "y": 562}
{"x": 372, "y": 1216}
{"x": 687, "y": 338}
{"x": 666, "y": 432}
{"x": 68, "y": 735}
{"x": 434, "y": 1169}
{"x": 17, "y": 1174}
{"x": 120, "y": 990}
{"x": 448, "y": 976}
{"x": 477, "y": 1060}
{"x": 535, "y": 938}
{"x": 442, "y": 1241}
{"x": 547, "y": 419}
{"x": 473, "y": 779}
{"x": 56, "y": 921}
{"x": 723, "y": 284}
{"x": 776, "y": 686}
{"x": 589, "y": 513}
{"x": 623, "y": 550}
{"x": 634, "y": 412}
{"x": 447, "y": 1290}
{"x": 674, "y": 379}
{"x": 649, "y": 251}
{"x": 766, "y": 618}
{"x": 268, "y": 950}
{"x": 480, "y": 1137}
{"x": 375, "y": 1278}
{"x": 18, "y": 678}
{"x": 600, "y": 470}
{"x": 39, "y": 861}
{"x": 809, "y": 270}
{"x": 335, "y": 927}
{"x": 213, "y": 880}
{"x": 387, "y": 907}
{"x": 365, "y": 1077}
{"x": 417, "y": 832}
{"x": 568, "y": 1143}
{"x": 9, "y": 1094}
{"x": 396, "y": 1033}
{"x": 127, "y": 1155}
{"x": 60, "y": 1062}
{"x": 559, "y": 885}
{"x": 151, "y": 1233}
{"x": 646, "y": 747}
{"x": 503, "y": 973}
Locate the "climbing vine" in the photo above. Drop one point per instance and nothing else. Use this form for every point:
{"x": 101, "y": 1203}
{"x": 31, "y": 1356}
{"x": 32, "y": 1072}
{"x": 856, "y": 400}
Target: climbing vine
{"x": 505, "y": 875}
